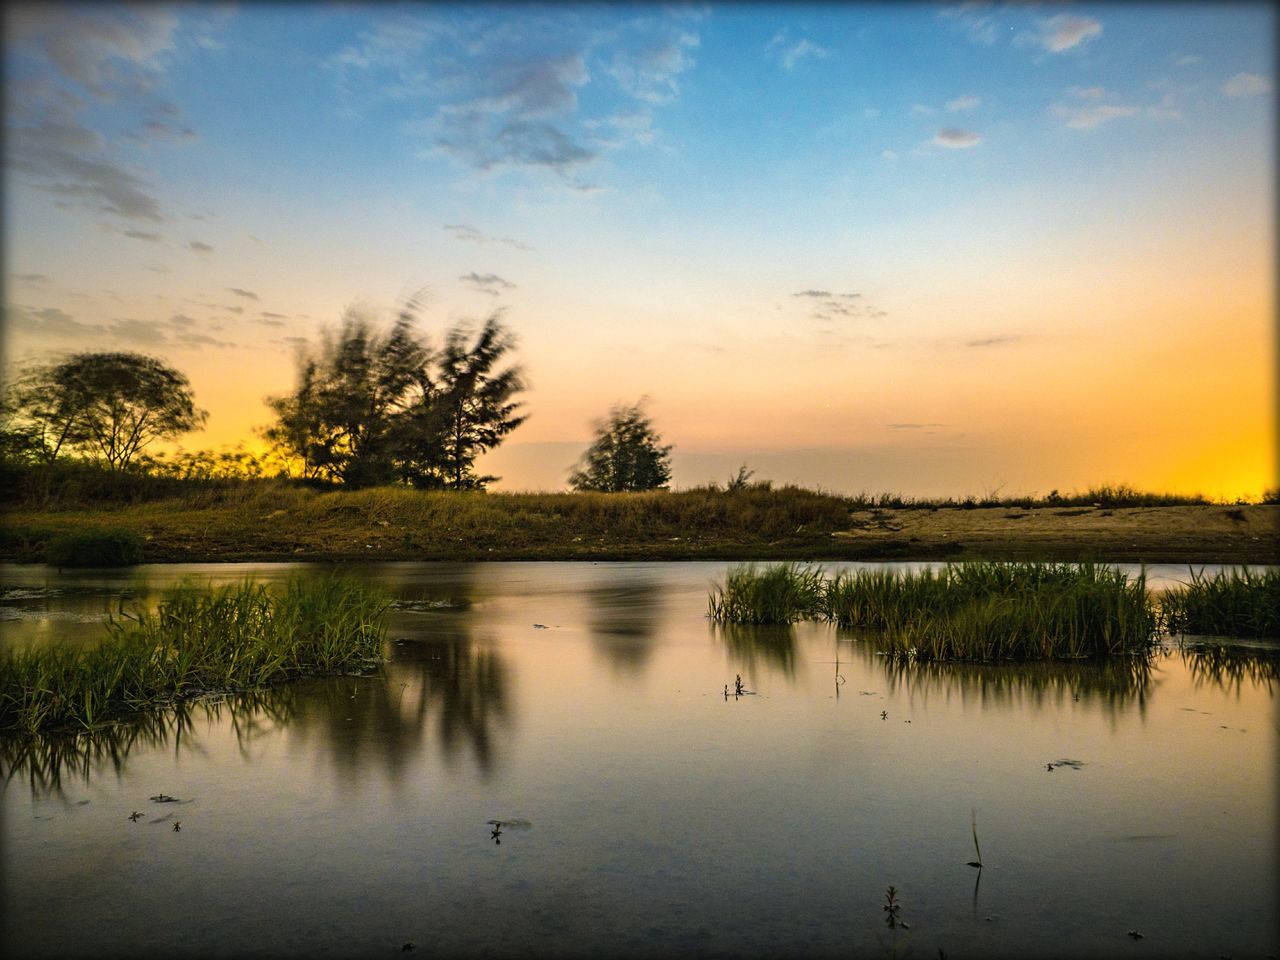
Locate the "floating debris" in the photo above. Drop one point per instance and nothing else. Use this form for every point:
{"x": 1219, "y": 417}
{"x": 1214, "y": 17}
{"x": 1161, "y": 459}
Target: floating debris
{"x": 1135, "y": 934}
{"x": 177, "y": 826}
{"x": 135, "y": 816}
{"x": 540, "y": 626}
{"x": 1073, "y": 764}
{"x": 164, "y": 798}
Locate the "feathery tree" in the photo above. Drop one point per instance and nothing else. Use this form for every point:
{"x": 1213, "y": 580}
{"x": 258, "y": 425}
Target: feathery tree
{"x": 108, "y": 406}
{"x": 375, "y": 408}
{"x": 627, "y": 454}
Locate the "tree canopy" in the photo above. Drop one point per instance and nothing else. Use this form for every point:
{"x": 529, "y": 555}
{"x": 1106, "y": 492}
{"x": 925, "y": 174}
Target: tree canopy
{"x": 375, "y": 407}
{"x": 106, "y": 406}
{"x": 627, "y": 454}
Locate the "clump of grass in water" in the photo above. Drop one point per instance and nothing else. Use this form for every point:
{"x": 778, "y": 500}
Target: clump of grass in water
{"x": 780, "y": 594}
{"x": 1231, "y": 603}
{"x": 232, "y": 638}
{"x": 981, "y": 611}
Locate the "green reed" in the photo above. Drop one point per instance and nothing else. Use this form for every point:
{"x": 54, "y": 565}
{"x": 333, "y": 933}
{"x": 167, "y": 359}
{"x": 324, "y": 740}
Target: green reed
{"x": 783, "y": 593}
{"x": 973, "y": 611}
{"x": 1237, "y": 602}
{"x": 197, "y": 641}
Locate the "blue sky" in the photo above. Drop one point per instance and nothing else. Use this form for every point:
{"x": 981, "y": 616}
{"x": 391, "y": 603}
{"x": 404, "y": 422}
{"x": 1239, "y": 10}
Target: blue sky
{"x": 923, "y": 248}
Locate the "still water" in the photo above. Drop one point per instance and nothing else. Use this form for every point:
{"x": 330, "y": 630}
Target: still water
{"x": 645, "y": 812}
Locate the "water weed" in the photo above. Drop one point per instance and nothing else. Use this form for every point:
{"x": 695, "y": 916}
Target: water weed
{"x": 1237, "y": 602}
{"x": 779, "y": 594}
{"x": 197, "y": 641}
{"x": 974, "y": 611}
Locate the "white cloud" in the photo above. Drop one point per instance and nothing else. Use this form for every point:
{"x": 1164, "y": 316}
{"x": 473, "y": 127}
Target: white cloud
{"x": 1247, "y": 85}
{"x": 1086, "y": 118}
{"x": 922, "y": 110}
{"x": 788, "y": 52}
{"x": 963, "y": 103}
{"x": 955, "y": 139}
{"x": 1066, "y": 32}
{"x": 1087, "y": 93}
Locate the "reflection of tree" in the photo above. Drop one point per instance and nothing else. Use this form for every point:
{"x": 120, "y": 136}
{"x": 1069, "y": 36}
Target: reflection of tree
{"x": 379, "y": 721}
{"x": 467, "y": 687}
{"x": 771, "y": 646}
{"x": 1230, "y": 666}
{"x": 623, "y": 618}
{"x": 46, "y": 760}
{"x": 1117, "y": 683}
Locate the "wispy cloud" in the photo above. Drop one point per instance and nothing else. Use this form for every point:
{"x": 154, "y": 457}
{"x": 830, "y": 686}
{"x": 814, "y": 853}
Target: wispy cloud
{"x": 489, "y": 283}
{"x": 979, "y": 20}
{"x": 830, "y": 306}
{"x": 963, "y": 103}
{"x": 199, "y": 246}
{"x": 508, "y": 94}
{"x": 913, "y": 426}
{"x": 787, "y": 52}
{"x": 1247, "y": 85}
{"x": 1067, "y": 32}
{"x": 247, "y": 294}
{"x": 956, "y": 139}
{"x": 48, "y": 322}
{"x": 61, "y": 57}
{"x": 991, "y": 341}
{"x": 470, "y": 234}
{"x": 66, "y": 158}
{"x": 1086, "y": 117}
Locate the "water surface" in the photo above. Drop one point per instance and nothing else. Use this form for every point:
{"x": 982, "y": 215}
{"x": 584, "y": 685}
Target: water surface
{"x": 645, "y": 812}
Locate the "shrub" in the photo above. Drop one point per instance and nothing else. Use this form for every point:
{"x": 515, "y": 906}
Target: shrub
{"x": 95, "y": 548}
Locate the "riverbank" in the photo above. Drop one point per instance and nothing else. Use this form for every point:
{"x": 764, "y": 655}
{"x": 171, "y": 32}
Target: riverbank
{"x": 289, "y": 523}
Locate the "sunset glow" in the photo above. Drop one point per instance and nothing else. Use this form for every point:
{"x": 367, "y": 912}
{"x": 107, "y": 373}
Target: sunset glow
{"x": 933, "y": 250}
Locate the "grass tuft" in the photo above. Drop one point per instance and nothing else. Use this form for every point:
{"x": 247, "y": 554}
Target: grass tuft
{"x": 197, "y": 641}
{"x": 1232, "y": 603}
{"x": 783, "y": 593}
{"x": 974, "y": 611}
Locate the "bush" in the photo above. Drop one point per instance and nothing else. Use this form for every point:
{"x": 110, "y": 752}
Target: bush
{"x": 94, "y": 548}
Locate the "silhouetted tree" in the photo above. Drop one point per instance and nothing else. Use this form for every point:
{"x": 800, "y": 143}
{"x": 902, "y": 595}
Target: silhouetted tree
{"x": 107, "y": 406}
{"x": 375, "y": 408}
{"x": 627, "y": 454}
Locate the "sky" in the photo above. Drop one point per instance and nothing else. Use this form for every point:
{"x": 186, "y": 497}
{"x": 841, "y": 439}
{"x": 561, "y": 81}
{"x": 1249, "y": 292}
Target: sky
{"x": 925, "y": 249}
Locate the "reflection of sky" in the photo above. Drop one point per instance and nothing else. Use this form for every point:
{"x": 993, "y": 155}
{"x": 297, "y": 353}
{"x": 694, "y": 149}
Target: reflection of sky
{"x": 929, "y": 249}
{"x": 663, "y": 815}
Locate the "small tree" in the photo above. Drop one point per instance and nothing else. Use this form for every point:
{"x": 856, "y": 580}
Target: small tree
{"x": 109, "y": 406}
{"x": 627, "y": 454}
{"x": 373, "y": 407}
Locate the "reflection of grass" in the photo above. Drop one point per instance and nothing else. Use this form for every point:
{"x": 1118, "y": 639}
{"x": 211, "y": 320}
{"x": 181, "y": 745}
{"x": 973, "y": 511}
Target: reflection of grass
{"x": 974, "y": 611}
{"x": 1113, "y": 681}
{"x": 198, "y": 640}
{"x": 47, "y": 759}
{"x": 1227, "y": 666}
{"x": 783, "y": 593}
{"x": 1231, "y": 603}
{"x": 772, "y": 644}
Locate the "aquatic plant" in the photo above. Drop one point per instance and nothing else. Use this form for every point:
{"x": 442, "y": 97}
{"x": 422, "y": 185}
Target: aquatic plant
{"x": 1236, "y": 602}
{"x": 783, "y": 593}
{"x": 197, "y": 641}
{"x": 973, "y": 611}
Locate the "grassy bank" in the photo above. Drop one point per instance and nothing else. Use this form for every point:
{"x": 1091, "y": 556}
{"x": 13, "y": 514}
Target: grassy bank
{"x": 196, "y": 641}
{"x": 275, "y": 520}
{"x": 974, "y": 611}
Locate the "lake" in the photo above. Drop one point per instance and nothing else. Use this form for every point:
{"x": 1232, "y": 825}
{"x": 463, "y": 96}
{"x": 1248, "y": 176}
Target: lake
{"x": 644, "y": 811}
